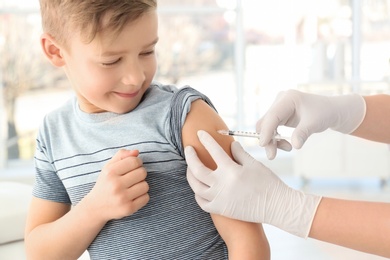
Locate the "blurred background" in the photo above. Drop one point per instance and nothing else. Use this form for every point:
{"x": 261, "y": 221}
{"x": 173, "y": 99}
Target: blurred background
{"x": 240, "y": 53}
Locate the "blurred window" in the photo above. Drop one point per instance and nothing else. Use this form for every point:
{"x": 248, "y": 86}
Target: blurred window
{"x": 240, "y": 53}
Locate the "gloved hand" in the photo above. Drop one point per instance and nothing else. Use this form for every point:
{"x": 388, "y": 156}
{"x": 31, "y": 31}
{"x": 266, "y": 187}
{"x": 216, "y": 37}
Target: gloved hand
{"x": 247, "y": 190}
{"x": 309, "y": 114}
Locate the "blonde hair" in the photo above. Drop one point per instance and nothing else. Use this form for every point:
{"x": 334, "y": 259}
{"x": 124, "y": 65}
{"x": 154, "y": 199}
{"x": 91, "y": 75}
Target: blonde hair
{"x": 62, "y": 18}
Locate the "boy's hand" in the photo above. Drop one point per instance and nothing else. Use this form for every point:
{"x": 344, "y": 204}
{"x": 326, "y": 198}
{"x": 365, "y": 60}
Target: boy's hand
{"x": 121, "y": 189}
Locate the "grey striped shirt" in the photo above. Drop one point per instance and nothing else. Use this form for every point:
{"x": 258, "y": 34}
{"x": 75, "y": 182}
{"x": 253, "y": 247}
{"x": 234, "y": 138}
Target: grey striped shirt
{"x": 73, "y": 146}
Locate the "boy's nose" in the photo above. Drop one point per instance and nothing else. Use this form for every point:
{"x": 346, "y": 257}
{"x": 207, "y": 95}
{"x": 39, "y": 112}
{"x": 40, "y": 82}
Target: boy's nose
{"x": 133, "y": 75}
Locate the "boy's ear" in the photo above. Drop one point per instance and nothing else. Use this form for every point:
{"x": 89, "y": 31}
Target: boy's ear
{"x": 52, "y": 50}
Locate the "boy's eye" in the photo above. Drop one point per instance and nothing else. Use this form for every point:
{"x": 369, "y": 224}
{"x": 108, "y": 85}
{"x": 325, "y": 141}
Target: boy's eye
{"x": 147, "y": 53}
{"x": 111, "y": 63}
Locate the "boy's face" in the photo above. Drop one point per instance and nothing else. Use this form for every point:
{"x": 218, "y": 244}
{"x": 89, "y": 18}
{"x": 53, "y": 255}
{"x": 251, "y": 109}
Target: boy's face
{"x": 113, "y": 75}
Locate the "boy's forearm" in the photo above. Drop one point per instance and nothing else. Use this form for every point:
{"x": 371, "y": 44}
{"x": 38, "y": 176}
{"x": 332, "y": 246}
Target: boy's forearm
{"x": 65, "y": 238}
{"x": 253, "y": 247}
{"x": 244, "y": 240}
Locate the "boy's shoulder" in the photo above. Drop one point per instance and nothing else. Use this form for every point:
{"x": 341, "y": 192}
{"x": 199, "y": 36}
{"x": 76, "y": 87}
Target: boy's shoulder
{"x": 63, "y": 110}
{"x": 157, "y": 86}
{"x": 158, "y": 93}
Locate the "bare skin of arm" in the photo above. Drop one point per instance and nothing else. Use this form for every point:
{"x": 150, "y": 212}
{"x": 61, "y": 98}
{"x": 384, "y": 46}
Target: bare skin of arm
{"x": 55, "y": 231}
{"x": 360, "y": 225}
{"x": 52, "y": 226}
{"x": 250, "y": 242}
{"x": 363, "y": 226}
{"x": 376, "y": 124}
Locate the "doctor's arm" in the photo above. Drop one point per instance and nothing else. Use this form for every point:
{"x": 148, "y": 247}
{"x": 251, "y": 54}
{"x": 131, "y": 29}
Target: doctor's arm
{"x": 247, "y": 190}
{"x": 376, "y": 123}
{"x": 360, "y": 225}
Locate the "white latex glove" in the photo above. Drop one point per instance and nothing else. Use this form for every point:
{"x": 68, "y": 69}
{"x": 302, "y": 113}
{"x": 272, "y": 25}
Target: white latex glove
{"x": 309, "y": 114}
{"x": 247, "y": 190}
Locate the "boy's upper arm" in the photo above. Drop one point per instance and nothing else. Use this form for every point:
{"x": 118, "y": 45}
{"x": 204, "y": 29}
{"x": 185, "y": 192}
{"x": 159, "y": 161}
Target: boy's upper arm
{"x": 250, "y": 242}
{"x": 44, "y": 211}
{"x": 203, "y": 117}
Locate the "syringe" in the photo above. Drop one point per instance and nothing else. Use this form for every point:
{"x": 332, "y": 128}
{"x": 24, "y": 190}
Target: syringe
{"x": 277, "y": 137}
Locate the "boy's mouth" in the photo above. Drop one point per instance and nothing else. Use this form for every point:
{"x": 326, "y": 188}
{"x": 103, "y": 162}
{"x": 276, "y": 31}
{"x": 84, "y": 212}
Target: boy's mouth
{"x": 127, "y": 95}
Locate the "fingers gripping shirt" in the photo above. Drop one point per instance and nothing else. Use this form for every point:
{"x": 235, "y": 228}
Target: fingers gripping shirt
{"x": 73, "y": 146}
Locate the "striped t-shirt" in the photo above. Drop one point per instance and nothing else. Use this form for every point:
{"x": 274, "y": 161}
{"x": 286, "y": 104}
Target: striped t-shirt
{"x": 73, "y": 146}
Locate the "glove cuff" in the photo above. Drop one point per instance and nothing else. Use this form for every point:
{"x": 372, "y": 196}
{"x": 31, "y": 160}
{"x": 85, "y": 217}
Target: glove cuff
{"x": 301, "y": 218}
{"x": 309, "y": 211}
{"x": 351, "y": 110}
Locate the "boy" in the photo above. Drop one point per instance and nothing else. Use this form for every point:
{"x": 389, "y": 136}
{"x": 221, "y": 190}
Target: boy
{"x": 115, "y": 152}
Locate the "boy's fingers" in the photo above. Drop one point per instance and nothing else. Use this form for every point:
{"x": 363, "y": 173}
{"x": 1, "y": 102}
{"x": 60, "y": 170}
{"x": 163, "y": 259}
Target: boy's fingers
{"x": 122, "y": 154}
{"x": 134, "y": 153}
{"x": 137, "y": 190}
{"x": 140, "y": 202}
{"x": 132, "y": 177}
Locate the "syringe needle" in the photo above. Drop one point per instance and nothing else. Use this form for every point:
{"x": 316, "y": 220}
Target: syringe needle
{"x": 276, "y": 137}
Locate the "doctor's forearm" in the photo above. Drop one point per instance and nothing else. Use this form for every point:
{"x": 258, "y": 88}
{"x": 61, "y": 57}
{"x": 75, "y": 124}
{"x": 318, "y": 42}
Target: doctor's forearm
{"x": 363, "y": 226}
{"x": 376, "y": 123}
